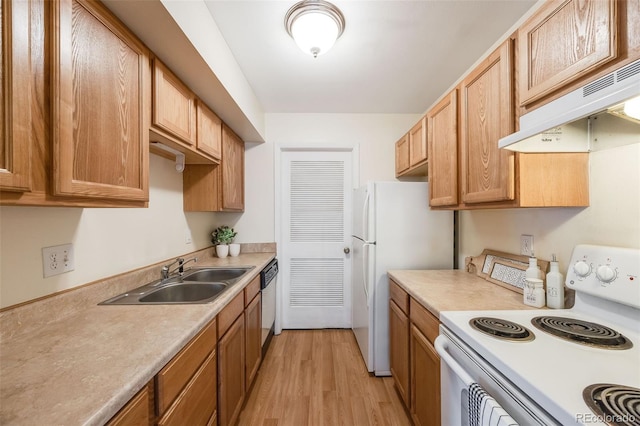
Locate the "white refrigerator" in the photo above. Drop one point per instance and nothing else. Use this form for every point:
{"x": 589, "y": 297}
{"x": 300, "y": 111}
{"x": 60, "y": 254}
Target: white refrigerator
{"x": 393, "y": 228}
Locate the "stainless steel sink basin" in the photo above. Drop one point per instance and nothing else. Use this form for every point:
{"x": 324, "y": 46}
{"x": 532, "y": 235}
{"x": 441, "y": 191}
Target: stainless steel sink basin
{"x": 184, "y": 293}
{"x": 214, "y": 274}
{"x": 194, "y": 286}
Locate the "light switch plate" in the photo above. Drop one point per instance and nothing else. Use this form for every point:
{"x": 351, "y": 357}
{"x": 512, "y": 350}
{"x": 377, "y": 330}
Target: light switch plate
{"x": 57, "y": 260}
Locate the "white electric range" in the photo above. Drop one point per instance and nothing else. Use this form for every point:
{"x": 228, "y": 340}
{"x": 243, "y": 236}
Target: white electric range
{"x": 543, "y": 379}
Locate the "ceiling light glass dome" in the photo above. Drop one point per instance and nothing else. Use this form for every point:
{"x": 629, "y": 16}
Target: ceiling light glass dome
{"x": 315, "y": 25}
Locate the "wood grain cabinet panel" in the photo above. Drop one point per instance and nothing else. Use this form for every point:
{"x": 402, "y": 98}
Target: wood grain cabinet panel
{"x": 425, "y": 380}
{"x": 562, "y": 42}
{"x": 231, "y": 373}
{"x": 15, "y": 96}
{"x": 100, "y": 104}
{"x": 253, "y": 343}
{"x": 418, "y": 143}
{"x": 399, "y": 350}
{"x": 487, "y": 115}
{"x": 138, "y": 411}
{"x": 442, "y": 139}
{"x": 232, "y": 172}
{"x": 402, "y": 155}
{"x": 174, "y": 105}
{"x": 209, "y": 131}
{"x": 196, "y": 405}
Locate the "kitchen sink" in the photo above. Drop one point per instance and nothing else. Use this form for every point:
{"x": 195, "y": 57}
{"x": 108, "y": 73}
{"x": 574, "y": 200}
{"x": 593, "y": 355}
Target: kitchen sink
{"x": 228, "y": 275}
{"x": 194, "y": 286}
{"x": 184, "y": 293}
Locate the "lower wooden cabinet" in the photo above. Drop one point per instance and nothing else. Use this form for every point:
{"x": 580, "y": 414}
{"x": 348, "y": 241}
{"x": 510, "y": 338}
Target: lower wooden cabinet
{"x": 186, "y": 388}
{"x": 138, "y": 411}
{"x": 253, "y": 331}
{"x": 399, "y": 347}
{"x": 415, "y": 365}
{"x": 231, "y": 373}
{"x": 425, "y": 380}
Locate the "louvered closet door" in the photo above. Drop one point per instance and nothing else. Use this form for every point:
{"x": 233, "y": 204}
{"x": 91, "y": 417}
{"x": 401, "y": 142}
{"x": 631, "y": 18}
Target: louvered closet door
{"x": 316, "y": 225}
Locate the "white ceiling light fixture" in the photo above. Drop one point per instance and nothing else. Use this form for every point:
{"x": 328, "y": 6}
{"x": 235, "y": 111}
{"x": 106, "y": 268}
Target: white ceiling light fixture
{"x": 315, "y": 25}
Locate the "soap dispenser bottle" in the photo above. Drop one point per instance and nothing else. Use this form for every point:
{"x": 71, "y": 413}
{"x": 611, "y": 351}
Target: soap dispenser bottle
{"x": 555, "y": 286}
{"x": 533, "y": 271}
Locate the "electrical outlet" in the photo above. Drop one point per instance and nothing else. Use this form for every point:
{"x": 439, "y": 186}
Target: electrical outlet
{"x": 187, "y": 236}
{"x": 57, "y": 260}
{"x": 526, "y": 245}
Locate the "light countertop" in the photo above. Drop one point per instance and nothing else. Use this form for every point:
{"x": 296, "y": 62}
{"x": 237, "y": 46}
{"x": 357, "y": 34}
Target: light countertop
{"x": 83, "y": 367}
{"x": 455, "y": 290}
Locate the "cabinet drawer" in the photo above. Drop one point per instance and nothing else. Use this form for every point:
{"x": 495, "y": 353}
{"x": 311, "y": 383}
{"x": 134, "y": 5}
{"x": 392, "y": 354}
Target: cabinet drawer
{"x": 426, "y": 322}
{"x": 228, "y": 315}
{"x": 137, "y": 412}
{"x": 197, "y": 404}
{"x": 177, "y": 373}
{"x": 251, "y": 290}
{"x": 398, "y": 295}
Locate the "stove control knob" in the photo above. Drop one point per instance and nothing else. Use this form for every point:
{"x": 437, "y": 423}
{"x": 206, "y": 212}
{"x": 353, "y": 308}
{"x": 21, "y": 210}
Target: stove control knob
{"x": 606, "y": 274}
{"x": 582, "y": 268}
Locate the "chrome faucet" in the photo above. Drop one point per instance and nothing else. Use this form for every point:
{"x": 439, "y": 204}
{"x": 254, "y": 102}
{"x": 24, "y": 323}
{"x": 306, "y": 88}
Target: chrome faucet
{"x": 165, "y": 272}
{"x": 184, "y": 262}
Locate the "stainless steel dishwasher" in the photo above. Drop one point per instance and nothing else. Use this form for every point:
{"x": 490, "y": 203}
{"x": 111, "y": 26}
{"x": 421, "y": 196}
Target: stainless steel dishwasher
{"x": 268, "y": 284}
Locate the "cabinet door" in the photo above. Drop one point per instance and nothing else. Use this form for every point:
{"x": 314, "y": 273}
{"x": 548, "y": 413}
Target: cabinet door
{"x": 487, "y": 115}
{"x": 231, "y": 373}
{"x": 209, "y": 133}
{"x": 174, "y": 105}
{"x": 399, "y": 350}
{"x": 15, "y": 96}
{"x": 402, "y": 155}
{"x": 100, "y": 104}
{"x": 418, "y": 143}
{"x": 232, "y": 171}
{"x": 425, "y": 380}
{"x": 253, "y": 335}
{"x": 563, "y": 41}
{"x": 442, "y": 125}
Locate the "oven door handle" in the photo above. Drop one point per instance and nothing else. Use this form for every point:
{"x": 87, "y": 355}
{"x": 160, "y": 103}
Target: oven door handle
{"x": 441, "y": 344}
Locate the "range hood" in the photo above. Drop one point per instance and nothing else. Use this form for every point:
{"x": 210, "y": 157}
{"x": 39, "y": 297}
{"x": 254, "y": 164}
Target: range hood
{"x": 586, "y": 119}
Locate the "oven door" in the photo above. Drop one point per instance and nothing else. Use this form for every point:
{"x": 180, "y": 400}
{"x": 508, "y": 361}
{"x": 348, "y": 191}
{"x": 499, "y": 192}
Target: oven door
{"x": 460, "y": 366}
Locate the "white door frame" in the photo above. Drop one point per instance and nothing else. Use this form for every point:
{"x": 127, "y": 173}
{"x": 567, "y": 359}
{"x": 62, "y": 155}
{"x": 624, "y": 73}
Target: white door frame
{"x": 354, "y": 148}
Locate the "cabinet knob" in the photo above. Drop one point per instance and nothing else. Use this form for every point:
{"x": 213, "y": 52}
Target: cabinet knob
{"x": 347, "y": 250}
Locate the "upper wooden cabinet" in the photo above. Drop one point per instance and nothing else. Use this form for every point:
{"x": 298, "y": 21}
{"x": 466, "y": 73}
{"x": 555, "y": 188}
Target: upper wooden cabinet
{"x": 15, "y": 96}
{"x": 232, "y": 171}
{"x": 209, "y": 131}
{"x": 411, "y": 151}
{"x": 487, "y": 114}
{"x": 442, "y": 122}
{"x": 100, "y": 104}
{"x": 174, "y": 105}
{"x": 402, "y": 155}
{"x": 217, "y": 187}
{"x": 562, "y": 42}
{"x": 418, "y": 143}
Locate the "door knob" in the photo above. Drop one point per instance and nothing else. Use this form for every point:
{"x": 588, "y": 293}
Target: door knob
{"x": 347, "y": 250}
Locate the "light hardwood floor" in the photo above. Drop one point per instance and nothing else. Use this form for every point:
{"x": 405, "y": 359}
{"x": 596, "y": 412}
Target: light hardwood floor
{"x": 318, "y": 377}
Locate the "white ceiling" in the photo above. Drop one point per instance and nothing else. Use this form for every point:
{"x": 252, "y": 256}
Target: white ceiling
{"x": 395, "y": 56}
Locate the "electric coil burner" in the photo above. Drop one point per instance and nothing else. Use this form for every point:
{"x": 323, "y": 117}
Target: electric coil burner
{"x": 502, "y": 329}
{"x": 583, "y": 332}
{"x": 616, "y": 404}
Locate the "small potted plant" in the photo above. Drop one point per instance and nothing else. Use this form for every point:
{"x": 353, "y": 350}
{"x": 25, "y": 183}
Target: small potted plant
{"x": 221, "y": 238}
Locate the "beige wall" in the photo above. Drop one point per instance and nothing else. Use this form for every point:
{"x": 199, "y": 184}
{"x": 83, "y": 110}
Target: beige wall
{"x": 613, "y": 217}
{"x": 106, "y": 241}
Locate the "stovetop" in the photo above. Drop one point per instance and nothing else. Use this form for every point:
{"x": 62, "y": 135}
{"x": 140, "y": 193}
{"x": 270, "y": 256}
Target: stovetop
{"x": 553, "y": 371}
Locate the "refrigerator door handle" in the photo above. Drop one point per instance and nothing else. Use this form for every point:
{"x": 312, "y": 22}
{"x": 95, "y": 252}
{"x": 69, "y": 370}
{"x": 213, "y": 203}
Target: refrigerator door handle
{"x": 365, "y": 217}
{"x": 365, "y": 267}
